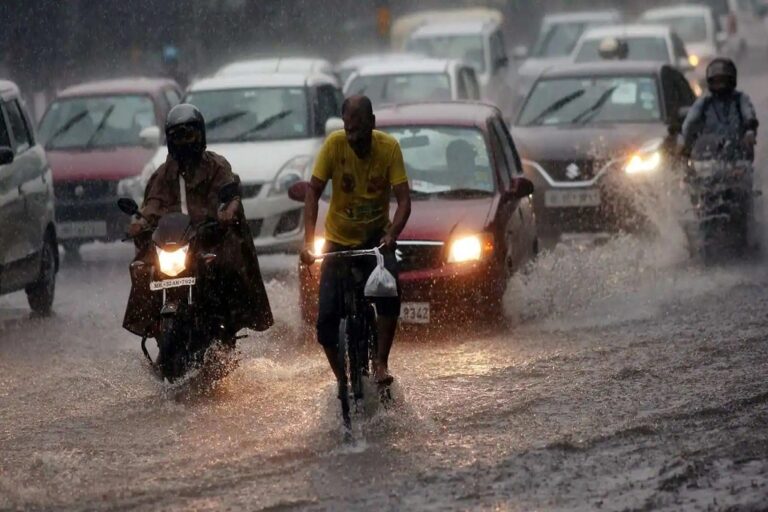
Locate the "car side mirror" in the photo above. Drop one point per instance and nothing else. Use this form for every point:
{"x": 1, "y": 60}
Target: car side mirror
{"x": 128, "y": 206}
{"x": 150, "y": 137}
{"x": 520, "y": 52}
{"x": 333, "y": 124}
{"x": 521, "y": 187}
{"x": 6, "y": 155}
{"x": 298, "y": 191}
{"x": 502, "y": 62}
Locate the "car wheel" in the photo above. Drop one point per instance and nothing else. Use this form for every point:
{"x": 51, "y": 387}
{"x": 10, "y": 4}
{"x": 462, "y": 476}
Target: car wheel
{"x": 40, "y": 293}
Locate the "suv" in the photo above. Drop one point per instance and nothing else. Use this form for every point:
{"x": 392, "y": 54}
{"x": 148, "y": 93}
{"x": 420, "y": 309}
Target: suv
{"x": 269, "y": 126}
{"x": 29, "y": 257}
{"x": 479, "y": 44}
{"x": 99, "y": 136}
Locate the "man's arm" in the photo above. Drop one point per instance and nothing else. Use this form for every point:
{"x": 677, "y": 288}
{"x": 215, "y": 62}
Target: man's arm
{"x": 311, "y": 199}
{"x": 403, "y": 212}
{"x": 692, "y": 124}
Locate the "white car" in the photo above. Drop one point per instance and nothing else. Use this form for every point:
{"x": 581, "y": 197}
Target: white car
{"x": 558, "y": 35}
{"x": 476, "y": 42}
{"x": 345, "y": 68}
{"x": 697, "y": 27}
{"x": 269, "y": 127}
{"x": 742, "y": 24}
{"x": 410, "y": 80}
{"x": 277, "y": 65}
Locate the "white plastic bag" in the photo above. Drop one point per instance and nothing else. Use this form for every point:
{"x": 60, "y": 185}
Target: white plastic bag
{"x": 381, "y": 282}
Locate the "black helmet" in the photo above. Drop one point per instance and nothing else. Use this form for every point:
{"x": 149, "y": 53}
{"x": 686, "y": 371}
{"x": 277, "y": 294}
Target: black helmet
{"x": 185, "y": 132}
{"x": 722, "y": 68}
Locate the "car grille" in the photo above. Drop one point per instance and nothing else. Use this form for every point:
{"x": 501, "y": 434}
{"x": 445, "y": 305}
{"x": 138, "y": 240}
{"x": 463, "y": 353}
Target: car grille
{"x": 558, "y": 170}
{"x": 85, "y": 190}
{"x": 419, "y": 255}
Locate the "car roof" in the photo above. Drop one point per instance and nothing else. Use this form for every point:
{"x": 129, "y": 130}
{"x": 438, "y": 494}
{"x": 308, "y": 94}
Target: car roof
{"x": 8, "y": 88}
{"x": 418, "y": 65}
{"x": 633, "y": 30}
{"x": 357, "y": 61}
{"x": 137, "y": 85}
{"x": 604, "y": 68}
{"x": 459, "y": 113}
{"x": 277, "y": 65}
{"x": 260, "y": 80}
{"x": 677, "y": 10}
{"x": 453, "y": 28}
{"x": 562, "y": 17}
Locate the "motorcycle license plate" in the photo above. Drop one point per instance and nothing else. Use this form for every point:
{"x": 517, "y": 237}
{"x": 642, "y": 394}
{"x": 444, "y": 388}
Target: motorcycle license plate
{"x": 572, "y": 198}
{"x": 172, "y": 283}
{"x": 414, "y": 312}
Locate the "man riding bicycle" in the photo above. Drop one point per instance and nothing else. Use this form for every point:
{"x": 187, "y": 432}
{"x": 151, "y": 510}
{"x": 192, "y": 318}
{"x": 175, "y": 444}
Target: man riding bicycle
{"x": 365, "y": 166}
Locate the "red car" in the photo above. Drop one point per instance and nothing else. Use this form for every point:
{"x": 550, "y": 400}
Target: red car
{"x": 98, "y": 137}
{"x": 472, "y": 224}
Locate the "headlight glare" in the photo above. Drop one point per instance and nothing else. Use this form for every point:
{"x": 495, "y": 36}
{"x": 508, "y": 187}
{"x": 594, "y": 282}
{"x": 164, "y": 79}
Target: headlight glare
{"x": 469, "y": 248}
{"x": 641, "y": 163}
{"x": 319, "y": 245}
{"x": 172, "y": 263}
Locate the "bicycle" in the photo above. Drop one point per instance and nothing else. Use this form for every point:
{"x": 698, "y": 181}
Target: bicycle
{"x": 358, "y": 340}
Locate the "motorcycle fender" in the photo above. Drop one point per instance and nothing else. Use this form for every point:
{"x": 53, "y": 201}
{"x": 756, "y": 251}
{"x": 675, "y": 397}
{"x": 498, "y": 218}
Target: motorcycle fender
{"x": 170, "y": 308}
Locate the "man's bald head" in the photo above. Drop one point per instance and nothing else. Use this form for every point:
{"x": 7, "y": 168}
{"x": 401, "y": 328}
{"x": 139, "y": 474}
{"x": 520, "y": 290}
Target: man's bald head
{"x": 359, "y": 122}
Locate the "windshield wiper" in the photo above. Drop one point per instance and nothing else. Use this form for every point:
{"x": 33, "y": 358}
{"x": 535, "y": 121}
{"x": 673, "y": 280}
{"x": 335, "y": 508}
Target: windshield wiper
{"x": 464, "y": 192}
{"x": 557, "y": 105}
{"x": 100, "y": 127}
{"x": 223, "y": 119}
{"x": 592, "y": 111}
{"x": 72, "y": 121}
{"x": 263, "y": 125}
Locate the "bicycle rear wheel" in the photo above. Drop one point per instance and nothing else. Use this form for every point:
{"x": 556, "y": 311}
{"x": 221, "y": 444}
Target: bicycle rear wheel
{"x": 344, "y": 365}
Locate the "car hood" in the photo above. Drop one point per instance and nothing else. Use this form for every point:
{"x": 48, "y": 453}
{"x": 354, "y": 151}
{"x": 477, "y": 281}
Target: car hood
{"x": 98, "y": 164}
{"x": 566, "y": 142}
{"x": 532, "y": 68}
{"x": 252, "y": 161}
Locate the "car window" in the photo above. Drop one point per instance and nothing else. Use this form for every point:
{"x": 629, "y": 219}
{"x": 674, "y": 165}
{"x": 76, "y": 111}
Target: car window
{"x": 327, "y": 106}
{"x": 5, "y": 139}
{"x": 683, "y": 96}
{"x": 679, "y": 48}
{"x": 583, "y": 100}
{"x": 691, "y": 29}
{"x": 21, "y": 136}
{"x": 498, "y": 51}
{"x": 652, "y": 49}
{"x": 172, "y": 97}
{"x": 558, "y": 40}
{"x": 504, "y": 152}
{"x": 403, "y": 88}
{"x": 96, "y": 121}
{"x": 443, "y": 158}
{"x": 513, "y": 159}
{"x": 468, "y": 48}
{"x": 252, "y": 114}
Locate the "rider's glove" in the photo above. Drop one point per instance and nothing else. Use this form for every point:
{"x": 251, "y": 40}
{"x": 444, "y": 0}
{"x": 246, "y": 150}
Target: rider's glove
{"x": 229, "y": 213}
{"x": 136, "y": 227}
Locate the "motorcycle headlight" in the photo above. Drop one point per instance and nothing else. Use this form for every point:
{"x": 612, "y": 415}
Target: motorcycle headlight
{"x": 172, "y": 263}
{"x": 643, "y": 163}
{"x": 295, "y": 169}
{"x": 131, "y": 187}
{"x": 469, "y": 248}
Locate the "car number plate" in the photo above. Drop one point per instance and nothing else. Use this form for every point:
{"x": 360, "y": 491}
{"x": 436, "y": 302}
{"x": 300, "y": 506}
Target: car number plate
{"x": 84, "y": 229}
{"x": 414, "y": 312}
{"x": 572, "y": 198}
{"x": 172, "y": 283}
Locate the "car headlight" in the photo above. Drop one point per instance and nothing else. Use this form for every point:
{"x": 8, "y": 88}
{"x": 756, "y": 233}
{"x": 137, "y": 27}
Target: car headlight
{"x": 644, "y": 163}
{"x": 469, "y": 248}
{"x": 172, "y": 263}
{"x": 131, "y": 187}
{"x": 295, "y": 169}
{"x": 693, "y": 60}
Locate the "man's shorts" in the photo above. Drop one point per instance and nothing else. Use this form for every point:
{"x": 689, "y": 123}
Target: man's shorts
{"x": 329, "y": 310}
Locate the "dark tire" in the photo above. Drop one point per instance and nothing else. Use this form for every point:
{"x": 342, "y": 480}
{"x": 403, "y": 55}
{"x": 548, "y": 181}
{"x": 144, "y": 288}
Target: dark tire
{"x": 40, "y": 293}
{"x": 171, "y": 359}
{"x": 344, "y": 383}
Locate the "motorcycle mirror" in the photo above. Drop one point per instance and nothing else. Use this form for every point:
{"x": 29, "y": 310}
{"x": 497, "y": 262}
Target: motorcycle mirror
{"x": 128, "y": 206}
{"x": 298, "y": 191}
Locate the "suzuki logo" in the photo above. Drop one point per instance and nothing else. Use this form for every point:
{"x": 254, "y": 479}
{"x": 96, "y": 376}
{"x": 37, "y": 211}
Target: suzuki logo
{"x": 398, "y": 255}
{"x": 572, "y": 171}
{"x": 79, "y": 191}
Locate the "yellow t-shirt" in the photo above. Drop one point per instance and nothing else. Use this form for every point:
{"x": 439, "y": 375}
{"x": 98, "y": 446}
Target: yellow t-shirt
{"x": 361, "y": 188}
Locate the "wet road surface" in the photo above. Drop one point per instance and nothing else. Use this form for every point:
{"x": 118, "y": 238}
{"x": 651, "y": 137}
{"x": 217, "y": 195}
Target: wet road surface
{"x": 628, "y": 378}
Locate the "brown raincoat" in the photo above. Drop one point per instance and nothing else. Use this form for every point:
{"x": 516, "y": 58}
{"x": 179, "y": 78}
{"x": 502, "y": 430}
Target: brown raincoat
{"x": 236, "y": 250}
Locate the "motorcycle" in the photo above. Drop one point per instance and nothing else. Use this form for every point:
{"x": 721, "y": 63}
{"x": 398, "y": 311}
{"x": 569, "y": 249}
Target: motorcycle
{"x": 719, "y": 181}
{"x": 184, "y": 283}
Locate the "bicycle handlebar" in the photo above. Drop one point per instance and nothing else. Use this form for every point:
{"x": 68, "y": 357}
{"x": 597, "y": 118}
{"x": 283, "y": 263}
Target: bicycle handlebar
{"x": 348, "y": 254}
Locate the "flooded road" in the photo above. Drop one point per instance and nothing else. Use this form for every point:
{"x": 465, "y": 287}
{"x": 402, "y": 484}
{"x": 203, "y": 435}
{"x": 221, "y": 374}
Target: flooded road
{"x": 628, "y": 379}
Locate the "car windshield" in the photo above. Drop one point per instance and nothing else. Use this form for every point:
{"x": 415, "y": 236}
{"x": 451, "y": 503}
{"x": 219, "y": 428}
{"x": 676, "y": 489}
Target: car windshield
{"x": 96, "y": 121}
{"x": 468, "y": 48}
{"x": 258, "y": 113}
{"x": 583, "y": 100}
{"x": 691, "y": 29}
{"x": 445, "y": 161}
{"x": 558, "y": 40}
{"x": 651, "y": 49}
{"x": 404, "y": 88}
